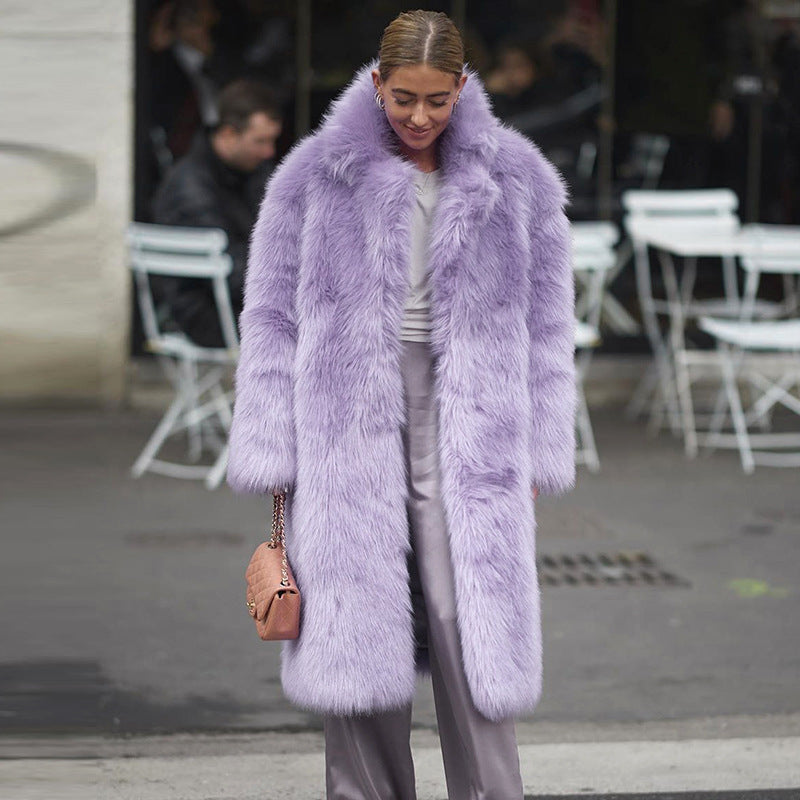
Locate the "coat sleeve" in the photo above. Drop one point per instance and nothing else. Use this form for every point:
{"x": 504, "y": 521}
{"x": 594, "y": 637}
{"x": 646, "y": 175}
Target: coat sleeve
{"x": 261, "y": 455}
{"x": 552, "y": 374}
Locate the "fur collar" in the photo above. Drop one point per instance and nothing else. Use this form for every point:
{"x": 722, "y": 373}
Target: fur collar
{"x": 355, "y": 132}
{"x": 479, "y": 155}
{"x": 356, "y": 145}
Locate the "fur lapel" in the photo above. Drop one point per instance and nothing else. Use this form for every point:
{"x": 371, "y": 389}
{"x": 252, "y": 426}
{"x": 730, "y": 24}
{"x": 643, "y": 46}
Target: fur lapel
{"x": 357, "y": 148}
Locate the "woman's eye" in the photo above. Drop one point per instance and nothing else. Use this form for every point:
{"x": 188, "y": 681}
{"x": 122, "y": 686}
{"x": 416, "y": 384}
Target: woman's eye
{"x": 406, "y": 102}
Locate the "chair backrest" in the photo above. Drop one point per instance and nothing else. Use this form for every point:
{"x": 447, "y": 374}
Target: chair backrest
{"x": 180, "y": 252}
{"x": 593, "y": 253}
{"x": 646, "y": 159}
{"x": 593, "y": 236}
{"x": 782, "y": 249}
{"x": 782, "y": 257}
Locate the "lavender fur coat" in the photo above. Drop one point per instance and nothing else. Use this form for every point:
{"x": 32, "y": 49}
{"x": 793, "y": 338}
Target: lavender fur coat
{"x": 319, "y": 395}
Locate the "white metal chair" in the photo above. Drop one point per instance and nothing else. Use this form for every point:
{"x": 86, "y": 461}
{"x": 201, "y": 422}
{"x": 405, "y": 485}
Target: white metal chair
{"x": 760, "y": 354}
{"x": 645, "y": 161}
{"x": 202, "y": 403}
{"x": 771, "y": 249}
{"x": 767, "y": 354}
{"x": 592, "y": 257}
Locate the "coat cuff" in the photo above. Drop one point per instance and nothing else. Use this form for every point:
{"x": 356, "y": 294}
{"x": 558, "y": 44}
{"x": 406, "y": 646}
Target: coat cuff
{"x": 260, "y": 473}
{"x": 556, "y": 483}
{"x": 261, "y": 441}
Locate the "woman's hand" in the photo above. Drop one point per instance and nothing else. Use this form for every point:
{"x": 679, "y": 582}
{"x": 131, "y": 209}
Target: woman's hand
{"x": 535, "y": 492}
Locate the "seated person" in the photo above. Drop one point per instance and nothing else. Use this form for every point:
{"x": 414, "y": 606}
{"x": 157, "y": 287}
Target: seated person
{"x": 219, "y": 183}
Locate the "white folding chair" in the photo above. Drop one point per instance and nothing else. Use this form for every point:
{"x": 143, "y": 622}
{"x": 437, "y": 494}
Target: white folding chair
{"x": 202, "y": 403}
{"x": 767, "y": 354}
{"x": 592, "y": 257}
{"x": 677, "y": 214}
{"x": 749, "y": 350}
{"x": 766, "y": 241}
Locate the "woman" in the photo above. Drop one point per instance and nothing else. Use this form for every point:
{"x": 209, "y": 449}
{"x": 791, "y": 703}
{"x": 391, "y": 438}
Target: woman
{"x": 407, "y": 376}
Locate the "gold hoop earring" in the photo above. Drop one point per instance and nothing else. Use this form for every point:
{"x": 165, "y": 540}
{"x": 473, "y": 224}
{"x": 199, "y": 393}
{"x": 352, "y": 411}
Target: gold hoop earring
{"x": 379, "y": 101}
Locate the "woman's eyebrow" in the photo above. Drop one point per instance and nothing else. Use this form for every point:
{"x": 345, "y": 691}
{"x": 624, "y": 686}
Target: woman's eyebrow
{"x": 405, "y": 91}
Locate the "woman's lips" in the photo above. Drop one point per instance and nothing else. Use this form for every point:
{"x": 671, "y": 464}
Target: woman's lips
{"x": 419, "y": 134}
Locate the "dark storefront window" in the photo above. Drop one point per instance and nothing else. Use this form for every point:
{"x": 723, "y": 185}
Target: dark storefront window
{"x": 618, "y": 93}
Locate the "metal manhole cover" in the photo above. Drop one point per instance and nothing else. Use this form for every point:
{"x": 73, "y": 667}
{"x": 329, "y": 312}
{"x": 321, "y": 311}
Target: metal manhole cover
{"x": 623, "y": 568}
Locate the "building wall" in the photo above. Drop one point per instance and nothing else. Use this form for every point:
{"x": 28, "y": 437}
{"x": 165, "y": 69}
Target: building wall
{"x": 65, "y": 169}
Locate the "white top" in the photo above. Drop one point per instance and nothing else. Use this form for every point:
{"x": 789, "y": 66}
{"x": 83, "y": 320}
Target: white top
{"x": 416, "y": 314}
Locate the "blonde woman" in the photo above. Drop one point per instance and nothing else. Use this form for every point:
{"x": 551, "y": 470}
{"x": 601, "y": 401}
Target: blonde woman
{"x": 407, "y": 378}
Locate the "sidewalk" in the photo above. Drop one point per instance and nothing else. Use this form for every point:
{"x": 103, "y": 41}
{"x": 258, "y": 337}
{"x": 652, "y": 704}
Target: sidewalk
{"x": 122, "y": 601}
{"x": 291, "y": 765}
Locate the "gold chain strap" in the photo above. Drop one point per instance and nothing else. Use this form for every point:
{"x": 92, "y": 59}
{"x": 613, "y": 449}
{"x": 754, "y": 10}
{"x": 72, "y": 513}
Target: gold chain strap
{"x": 279, "y": 535}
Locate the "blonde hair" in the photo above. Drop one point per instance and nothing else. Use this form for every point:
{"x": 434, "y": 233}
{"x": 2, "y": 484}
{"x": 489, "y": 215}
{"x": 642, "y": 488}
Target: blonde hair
{"x": 421, "y": 37}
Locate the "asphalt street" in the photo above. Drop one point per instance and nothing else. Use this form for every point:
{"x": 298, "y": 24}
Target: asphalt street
{"x": 670, "y": 610}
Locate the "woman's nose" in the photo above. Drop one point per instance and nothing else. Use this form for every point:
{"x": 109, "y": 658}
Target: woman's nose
{"x": 418, "y": 116}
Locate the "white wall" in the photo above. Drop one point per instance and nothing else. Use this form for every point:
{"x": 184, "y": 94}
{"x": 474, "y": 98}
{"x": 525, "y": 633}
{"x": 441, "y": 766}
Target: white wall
{"x": 66, "y": 122}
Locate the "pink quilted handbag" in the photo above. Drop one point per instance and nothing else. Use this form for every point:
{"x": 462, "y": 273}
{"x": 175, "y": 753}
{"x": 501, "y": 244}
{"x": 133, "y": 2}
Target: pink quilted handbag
{"x": 273, "y": 598}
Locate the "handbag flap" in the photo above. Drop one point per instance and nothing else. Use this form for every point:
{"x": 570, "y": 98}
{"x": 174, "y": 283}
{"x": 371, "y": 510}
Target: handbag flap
{"x": 263, "y": 576}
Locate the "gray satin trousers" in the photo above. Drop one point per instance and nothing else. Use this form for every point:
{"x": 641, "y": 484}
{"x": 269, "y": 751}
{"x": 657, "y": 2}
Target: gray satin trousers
{"x": 368, "y": 756}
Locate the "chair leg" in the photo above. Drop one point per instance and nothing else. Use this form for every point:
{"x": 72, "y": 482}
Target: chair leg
{"x": 729, "y": 376}
{"x": 194, "y": 429}
{"x": 665, "y": 400}
{"x": 187, "y": 411}
{"x": 684, "y": 386}
{"x": 158, "y": 437}
{"x": 221, "y": 398}
{"x": 657, "y": 407}
{"x": 664, "y": 405}
{"x": 774, "y": 392}
{"x": 584, "y": 423}
{"x": 617, "y": 318}
{"x": 642, "y": 391}
{"x": 718, "y": 415}
{"x": 755, "y": 400}
{"x": 217, "y": 472}
{"x": 658, "y": 344}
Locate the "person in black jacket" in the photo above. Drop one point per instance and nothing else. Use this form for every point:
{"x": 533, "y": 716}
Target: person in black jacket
{"x": 219, "y": 183}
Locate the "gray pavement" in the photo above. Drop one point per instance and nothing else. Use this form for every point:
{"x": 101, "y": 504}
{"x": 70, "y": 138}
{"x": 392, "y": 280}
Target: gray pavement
{"x": 130, "y": 669}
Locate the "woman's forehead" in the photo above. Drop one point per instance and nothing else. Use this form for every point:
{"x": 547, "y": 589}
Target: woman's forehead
{"x": 421, "y": 79}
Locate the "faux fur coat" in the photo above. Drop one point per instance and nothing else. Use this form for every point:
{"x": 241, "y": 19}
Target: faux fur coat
{"x": 319, "y": 395}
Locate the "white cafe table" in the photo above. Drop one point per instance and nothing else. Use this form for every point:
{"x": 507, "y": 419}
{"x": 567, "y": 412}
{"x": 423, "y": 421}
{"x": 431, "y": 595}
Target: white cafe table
{"x": 756, "y": 248}
{"x": 753, "y": 244}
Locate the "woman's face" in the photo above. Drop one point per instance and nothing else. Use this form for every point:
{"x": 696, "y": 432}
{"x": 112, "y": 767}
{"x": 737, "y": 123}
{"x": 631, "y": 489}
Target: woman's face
{"x": 419, "y": 101}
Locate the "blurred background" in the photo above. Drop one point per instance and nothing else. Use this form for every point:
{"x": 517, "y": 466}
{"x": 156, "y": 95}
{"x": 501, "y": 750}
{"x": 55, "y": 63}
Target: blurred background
{"x": 619, "y": 94}
{"x": 669, "y": 574}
